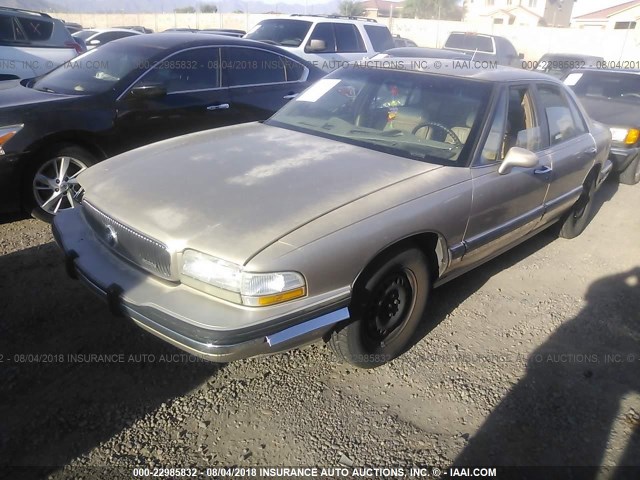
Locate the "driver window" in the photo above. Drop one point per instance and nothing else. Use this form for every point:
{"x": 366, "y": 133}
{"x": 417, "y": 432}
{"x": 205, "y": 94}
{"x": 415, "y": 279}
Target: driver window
{"x": 522, "y": 128}
{"x": 195, "y": 69}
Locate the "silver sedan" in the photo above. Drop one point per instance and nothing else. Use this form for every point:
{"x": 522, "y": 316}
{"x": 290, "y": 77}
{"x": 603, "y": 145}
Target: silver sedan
{"x": 334, "y": 219}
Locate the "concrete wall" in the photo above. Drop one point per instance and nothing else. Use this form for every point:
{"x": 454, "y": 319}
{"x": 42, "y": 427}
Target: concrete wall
{"x": 532, "y": 41}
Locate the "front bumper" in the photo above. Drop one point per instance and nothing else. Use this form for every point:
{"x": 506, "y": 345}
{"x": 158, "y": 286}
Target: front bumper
{"x": 191, "y": 320}
{"x": 622, "y": 157}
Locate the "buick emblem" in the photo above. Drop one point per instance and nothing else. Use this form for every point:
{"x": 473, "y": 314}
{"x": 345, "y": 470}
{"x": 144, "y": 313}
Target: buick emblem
{"x": 111, "y": 236}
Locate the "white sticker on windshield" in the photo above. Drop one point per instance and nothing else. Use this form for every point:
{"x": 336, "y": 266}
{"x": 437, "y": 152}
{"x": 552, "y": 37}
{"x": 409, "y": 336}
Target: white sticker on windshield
{"x": 572, "y": 79}
{"x": 317, "y": 90}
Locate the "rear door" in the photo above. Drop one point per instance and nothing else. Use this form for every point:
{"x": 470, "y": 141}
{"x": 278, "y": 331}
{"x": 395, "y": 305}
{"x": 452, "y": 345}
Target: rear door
{"x": 259, "y": 81}
{"x": 508, "y": 206}
{"x": 571, "y": 148}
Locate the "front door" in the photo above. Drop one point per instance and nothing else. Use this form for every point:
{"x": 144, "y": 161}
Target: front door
{"x": 506, "y": 207}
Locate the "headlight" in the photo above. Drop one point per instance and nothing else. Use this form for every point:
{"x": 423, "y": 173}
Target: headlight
{"x": 6, "y": 133}
{"x": 253, "y": 289}
{"x": 627, "y": 135}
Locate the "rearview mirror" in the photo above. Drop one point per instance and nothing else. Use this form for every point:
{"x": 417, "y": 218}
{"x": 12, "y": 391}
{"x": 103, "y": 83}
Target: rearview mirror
{"x": 317, "y": 45}
{"x": 517, "y": 157}
{"x": 148, "y": 91}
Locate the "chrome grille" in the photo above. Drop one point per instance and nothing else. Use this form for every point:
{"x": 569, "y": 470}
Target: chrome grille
{"x": 145, "y": 252}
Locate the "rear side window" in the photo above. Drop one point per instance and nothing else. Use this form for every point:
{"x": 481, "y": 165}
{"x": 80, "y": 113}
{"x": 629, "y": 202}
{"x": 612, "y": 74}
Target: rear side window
{"x": 381, "y": 38}
{"x": 13, "y": 29}
{"x": 36, "y": 30}
{"x": 463, "y": 41}
{"x": 250, "y": 66}
{"x": 348, "y": 38}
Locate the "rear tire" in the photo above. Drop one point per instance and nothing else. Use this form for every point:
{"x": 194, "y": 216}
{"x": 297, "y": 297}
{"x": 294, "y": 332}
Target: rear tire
{"x": 631, "y": 174}
{"x": 50, "y": 184}
{"x": 576, "y": 221}
{"x": 386, "y": 309}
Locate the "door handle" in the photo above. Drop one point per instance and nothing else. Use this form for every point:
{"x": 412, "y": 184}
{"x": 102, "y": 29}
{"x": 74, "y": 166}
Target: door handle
{"x": 543, "y": 170}
{"x": 221, "y": 106}
{"x": 591, "y": 150}
{"x": 290, "y": 96}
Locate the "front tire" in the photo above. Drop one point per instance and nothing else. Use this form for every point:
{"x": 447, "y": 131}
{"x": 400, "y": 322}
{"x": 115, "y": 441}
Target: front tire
{"x": 631, "y": 174}
{"x": 50, "y": 185}
{"x": 576, "y": 221}
{"x": 386, "y": 309}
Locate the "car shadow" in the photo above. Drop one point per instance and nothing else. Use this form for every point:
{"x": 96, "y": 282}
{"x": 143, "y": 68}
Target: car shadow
{"x": 571, "y": 407}
{"x": 71, "y": 375}
{"x": 448, "y": 297}
{"x": 12, "y": 217}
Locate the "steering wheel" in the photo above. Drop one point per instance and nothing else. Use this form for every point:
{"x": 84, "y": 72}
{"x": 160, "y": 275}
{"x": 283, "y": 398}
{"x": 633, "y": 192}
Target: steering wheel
{"x": 456, "y": 140}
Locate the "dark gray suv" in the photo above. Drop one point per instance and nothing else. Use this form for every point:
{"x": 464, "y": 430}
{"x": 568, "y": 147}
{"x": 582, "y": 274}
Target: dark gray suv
{"x": 32, "y": 43}
{"x": 484, "y": 47}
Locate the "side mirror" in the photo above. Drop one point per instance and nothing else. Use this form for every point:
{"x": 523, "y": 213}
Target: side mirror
{"x": 517, "y": 157}
{"x": 317, "y": 45}
{"x": 148, "y": 91}
{"x": 521, "y": 56}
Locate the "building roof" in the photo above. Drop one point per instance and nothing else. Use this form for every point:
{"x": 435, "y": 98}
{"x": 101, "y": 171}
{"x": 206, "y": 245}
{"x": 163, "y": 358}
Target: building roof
{"x": 512, "y": 12}
{"x": 382, "y": 4}
{"x": 605, "y": 13}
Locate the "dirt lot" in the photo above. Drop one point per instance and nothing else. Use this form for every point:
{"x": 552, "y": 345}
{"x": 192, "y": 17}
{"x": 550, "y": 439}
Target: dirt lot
{"x": 533, "y": 359}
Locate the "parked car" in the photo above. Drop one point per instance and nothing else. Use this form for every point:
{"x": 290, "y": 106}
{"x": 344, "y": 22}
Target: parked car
{"x": 421, "y": 52}
{"x": 484, "y": 47}
{"x": 128, "y": 93}
{"x": 560, "y": 64}
{"x": 327, "y": 41}
{"x": 224, "y": 31}
{"x": 32, "y": 43}
{"x": 399, "y": 41}
{"x": 613, "y": 98}
{"x": 334, "y": 218}
{"x": 137, "y": 28}
{"x": 72, "y": 27}
{"x": 97, "y": 37}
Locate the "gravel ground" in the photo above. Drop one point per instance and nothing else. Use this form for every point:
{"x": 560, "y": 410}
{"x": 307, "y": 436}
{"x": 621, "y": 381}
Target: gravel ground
{"x": 532, "y": 359}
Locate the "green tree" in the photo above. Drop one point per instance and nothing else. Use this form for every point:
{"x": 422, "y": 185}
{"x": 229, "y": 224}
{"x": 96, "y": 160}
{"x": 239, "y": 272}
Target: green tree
{"x": 185, "y": 10}
{"x": 351, "y": 8}
{"x": 443, "y": 9}
{"x": 208, "y": 8}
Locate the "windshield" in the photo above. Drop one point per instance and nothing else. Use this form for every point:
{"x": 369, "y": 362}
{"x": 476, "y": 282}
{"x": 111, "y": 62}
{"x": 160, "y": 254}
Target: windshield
{"x": 284, "y": 32}
{"x": 425, "y": 117}
{"x": 606, "y": 85}
{"x": 97, "y": 70}
{"x": 463, "y": 41}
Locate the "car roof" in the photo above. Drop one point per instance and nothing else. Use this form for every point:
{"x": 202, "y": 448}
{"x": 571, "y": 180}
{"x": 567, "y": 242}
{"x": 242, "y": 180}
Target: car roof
{"x": 332, "y": 19}
{"x": 453, "y": 68}
{"x": 425, "y": 52}
{"x": 102, "y": 30}
{"x": 627, "y": 71}
{"x": 569, "y": 55}
{"x": 475, "y": 34}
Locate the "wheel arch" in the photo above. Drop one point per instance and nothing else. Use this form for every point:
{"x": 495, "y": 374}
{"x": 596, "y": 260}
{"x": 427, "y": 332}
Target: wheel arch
{"x": 80, "y": 139}
{"x": 431, "y": 243}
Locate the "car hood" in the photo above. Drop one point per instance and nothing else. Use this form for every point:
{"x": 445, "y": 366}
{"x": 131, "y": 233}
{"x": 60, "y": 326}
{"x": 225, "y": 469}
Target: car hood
{"x": 231, "y": 192}
{"x": 14, "y": 94}
{"x": 612, "y": 112}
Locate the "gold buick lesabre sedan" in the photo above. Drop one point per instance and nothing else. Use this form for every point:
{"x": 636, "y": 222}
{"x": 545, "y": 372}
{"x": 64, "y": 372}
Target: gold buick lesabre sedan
{"x": 334, "y": 219}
